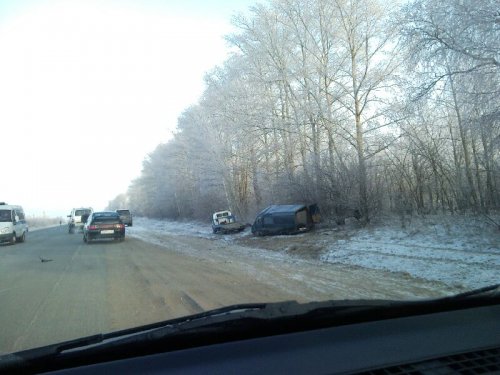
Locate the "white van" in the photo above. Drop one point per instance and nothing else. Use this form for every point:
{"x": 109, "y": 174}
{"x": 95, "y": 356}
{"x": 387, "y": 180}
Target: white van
{"x": 78, "y": 217}
{"x": 13, "y": 226}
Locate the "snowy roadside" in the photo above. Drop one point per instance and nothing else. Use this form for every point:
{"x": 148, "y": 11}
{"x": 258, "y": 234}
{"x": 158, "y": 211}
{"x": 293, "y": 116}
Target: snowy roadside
{"x": 160, "y": 232}
{"x": 457, "y": 251}
{"x": 143, "y": 226}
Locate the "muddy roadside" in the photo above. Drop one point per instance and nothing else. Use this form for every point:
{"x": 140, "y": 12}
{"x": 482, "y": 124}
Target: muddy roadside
{"x": 304, "y": 276}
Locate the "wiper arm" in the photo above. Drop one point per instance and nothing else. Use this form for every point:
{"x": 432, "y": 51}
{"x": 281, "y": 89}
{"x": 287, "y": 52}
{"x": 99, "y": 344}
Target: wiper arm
{"x": 170, "y": 324}
{"x": 34, "y": 358}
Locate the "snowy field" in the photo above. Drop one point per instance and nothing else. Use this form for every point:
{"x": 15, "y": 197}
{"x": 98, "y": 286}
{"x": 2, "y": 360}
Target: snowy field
{"x": 455, "y": 250}
{"x": 462, "y": 252}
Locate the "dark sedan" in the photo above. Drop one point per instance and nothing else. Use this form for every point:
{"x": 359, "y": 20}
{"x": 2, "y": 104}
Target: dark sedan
{"x": 101, "y": 225}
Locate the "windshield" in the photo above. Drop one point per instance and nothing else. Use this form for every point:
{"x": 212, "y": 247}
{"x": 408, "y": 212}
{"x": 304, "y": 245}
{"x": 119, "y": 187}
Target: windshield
{"x": 5, "y": 216}
{"x": 82, "y": 212}
{"x": 106, "y": 219}
{"x": 276, "y": 150}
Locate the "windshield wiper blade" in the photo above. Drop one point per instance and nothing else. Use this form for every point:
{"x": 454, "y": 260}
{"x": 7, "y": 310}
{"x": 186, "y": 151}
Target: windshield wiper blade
{"x": 99, "y": 338}
{"x": 280, "y": 317}
{"x": 130, "y": 332}
{"x": 34, "y": 358}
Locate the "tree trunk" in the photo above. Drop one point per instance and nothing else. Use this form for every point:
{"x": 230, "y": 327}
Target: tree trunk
{"x": 463, "y": 138}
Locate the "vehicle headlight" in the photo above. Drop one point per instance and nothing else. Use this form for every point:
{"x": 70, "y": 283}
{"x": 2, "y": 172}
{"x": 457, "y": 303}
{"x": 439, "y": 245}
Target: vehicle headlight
{"x": 4, "y": 230}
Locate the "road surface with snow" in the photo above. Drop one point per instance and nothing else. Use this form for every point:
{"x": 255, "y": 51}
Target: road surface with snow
{"x": 169, "y": 269}
{"x": 453, "y": 251}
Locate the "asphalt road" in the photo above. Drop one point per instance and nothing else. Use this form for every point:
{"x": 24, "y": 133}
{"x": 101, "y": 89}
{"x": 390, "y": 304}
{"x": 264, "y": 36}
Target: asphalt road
{"x": 62, "y": 298}
{"x": 106, "y": 286}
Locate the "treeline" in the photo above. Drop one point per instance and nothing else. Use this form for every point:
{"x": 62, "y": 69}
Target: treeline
{"x": 354, "y": 105}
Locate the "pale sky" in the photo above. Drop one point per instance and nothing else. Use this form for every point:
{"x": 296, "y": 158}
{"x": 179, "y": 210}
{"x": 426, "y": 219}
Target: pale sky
{"x": 89, "y": 87}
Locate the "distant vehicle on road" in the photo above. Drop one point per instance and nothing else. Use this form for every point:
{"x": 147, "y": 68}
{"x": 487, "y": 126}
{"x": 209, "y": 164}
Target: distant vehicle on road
{"x": 126, "y": 217}
{"x": 225, "y": 222}
{"x": 285, "y": 219}
{"x": 78, "y": 217}
{"x": 103, "y": 225}
{"x": 13, "y": 226}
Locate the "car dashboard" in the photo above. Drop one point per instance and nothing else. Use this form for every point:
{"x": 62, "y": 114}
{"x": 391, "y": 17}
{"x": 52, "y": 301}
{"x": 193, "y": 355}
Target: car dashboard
{"x": 461, "y": 341}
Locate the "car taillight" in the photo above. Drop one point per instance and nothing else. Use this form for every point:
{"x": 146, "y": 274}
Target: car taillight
{"x": 92, "y": 227}
{"x": 119, "y": 226}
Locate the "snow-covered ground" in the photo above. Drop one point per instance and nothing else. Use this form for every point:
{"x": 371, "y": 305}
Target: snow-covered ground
{"x": 159, "y": 232}
{"x": 458, "y": 251}
{"x": 142, "y": 226}
{"x": 455, "y": 250}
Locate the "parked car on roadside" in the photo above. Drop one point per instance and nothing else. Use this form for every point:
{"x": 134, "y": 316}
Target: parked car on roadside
{"x": 104, "y": 225}
{"x": 78, "y": 217}
{"x": 283, "y": 219}
{"x": 126, "y": 217}
{"x": 13, "y": 226}
{"x": 225, "y": 222}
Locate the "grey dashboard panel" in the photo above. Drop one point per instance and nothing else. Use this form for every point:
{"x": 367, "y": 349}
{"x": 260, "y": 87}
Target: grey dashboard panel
{"x": 353, "y": 348}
